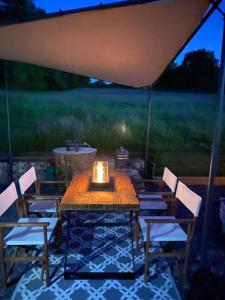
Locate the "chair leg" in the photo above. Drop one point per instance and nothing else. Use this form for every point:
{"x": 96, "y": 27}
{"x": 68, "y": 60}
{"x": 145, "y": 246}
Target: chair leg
{"x": 146, "y": 262}
{"x": 11, "y": 266}
{"x": 187, "y": 249}
{"x": 137, "y": 232}
{"x": 46, "y": 266}
{"x": 3, "y": 267}
{"x": 58, "y": 233}
{"x": 45, "y": 273}
{"x": 177, "y": 267}
{"x": 42, "y": 271}
{"x": 131, "y": 216}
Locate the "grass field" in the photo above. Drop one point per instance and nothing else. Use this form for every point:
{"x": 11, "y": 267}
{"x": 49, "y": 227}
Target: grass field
{"x": 181, "y": 124}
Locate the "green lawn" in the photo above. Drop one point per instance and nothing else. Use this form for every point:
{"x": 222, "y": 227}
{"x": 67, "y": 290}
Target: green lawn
{"x": 181, "y": 124}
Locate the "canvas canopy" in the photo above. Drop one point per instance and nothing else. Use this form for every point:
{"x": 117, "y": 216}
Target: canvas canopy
{"x": 128, "y": 45}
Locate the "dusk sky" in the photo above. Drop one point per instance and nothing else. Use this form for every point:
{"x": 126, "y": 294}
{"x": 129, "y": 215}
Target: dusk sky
{"x": 209, "y": 37}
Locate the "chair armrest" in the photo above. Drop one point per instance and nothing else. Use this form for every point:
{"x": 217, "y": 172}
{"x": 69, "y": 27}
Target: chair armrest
{"x": 156, "y": 181}
{"x": 41, "y": 182}
{"x": 178, "y": 221}
{"x": 53, "y": 182}
{"x": 142, "y": 196}
{"x": 24, "y": 224}
{"x": 149, "y": 193}
{"x": 168, "y": 195}
{"x": 34, "y": 196}
{"x": 155, "y": 193}
{"x": 30, "y": 200}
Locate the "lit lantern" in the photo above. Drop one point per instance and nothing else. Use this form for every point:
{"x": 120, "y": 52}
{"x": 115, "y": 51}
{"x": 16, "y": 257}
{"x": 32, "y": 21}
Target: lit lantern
{"x": 100, "y": 172}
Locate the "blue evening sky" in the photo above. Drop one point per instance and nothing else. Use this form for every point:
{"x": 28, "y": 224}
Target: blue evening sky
{"x": 208, "y": 37}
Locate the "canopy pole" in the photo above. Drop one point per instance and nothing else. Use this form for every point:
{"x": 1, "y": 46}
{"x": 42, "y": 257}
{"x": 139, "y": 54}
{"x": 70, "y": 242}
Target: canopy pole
{"x": 214, "y": 153}
{"x": 149, "y": 99}
{"x": 10, "y": 168}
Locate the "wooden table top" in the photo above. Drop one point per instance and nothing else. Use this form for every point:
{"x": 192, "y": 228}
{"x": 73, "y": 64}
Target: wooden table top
{"x": 79, "y": 196}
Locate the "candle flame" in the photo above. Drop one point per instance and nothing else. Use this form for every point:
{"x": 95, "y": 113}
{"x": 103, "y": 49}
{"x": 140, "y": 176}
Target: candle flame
{"x": 99, "y": 172}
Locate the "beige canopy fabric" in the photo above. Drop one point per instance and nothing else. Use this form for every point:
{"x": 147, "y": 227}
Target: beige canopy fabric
{"x": 129, "y": 45}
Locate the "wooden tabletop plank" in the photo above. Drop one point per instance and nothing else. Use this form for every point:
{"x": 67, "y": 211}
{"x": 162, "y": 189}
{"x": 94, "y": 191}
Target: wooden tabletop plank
{"x": 79, "y": 196}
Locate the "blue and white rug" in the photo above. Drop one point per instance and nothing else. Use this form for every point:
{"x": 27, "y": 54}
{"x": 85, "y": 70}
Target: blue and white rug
{"x": 98, "y": 249}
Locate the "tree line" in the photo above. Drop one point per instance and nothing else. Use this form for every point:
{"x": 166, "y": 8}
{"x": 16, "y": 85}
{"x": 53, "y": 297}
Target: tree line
{"x": 23, "y": 76}
{"x": 199, "y": 71}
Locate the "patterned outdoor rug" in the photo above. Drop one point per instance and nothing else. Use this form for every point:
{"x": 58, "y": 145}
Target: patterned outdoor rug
{"x": 102, "y": 248}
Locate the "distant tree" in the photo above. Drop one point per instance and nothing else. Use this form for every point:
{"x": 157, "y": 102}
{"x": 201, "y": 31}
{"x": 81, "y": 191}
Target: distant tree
{"x": 55, "y": 80}
{"x": 27, "y": 76}
{"x": 23, "y": 76}
{"x": 168, "y": 78}
{"x": 199, "y": 71}
{"x": 19, "y": 9}
{"x": 74, "y": 81}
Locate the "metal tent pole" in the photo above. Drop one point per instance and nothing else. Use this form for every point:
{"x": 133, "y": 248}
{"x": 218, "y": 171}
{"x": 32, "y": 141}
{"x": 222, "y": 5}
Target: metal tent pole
{"x": 214, "y": 154}
{"x": 10, "y": 169}
{"x": 149, "y": 95}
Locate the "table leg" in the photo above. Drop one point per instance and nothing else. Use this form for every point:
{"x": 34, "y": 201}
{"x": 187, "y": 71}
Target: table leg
{"x": 68, "y": 218}
{"x": 136, "y": 234}
{"x": 72, "y": 274}
{"x": 132, "y": 239}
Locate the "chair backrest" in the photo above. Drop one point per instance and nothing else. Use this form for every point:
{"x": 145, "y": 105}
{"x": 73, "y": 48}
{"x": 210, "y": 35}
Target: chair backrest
{"x": 190, "y": 199}
{"x": 170, "y": 179}
{"x": 8, "y": 197}
{"x": 27, "y": 179}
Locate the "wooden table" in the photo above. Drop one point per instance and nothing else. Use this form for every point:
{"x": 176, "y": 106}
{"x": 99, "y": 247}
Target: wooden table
{"x": 80, "y": 196}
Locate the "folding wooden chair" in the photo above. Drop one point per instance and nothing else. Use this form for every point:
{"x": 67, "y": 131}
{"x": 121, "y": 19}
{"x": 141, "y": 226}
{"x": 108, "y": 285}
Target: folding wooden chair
{"x": 169, "y": 229}
{"x": 160, "y": 200}
{"x": 25, "y": 232}
{"x": 37, "y": 203}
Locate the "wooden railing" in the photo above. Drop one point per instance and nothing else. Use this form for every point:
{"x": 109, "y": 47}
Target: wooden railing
{"x": 189, "y": 180}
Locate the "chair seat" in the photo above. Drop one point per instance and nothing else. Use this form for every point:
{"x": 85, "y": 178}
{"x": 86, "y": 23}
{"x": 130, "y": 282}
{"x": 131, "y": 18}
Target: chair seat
{"x": 30, "y": 235}
{"x": 146, "y": 204}
{"x": 162, "y": 232}
{"x": 42, "y": 207}
{"x": 149, "y": 196}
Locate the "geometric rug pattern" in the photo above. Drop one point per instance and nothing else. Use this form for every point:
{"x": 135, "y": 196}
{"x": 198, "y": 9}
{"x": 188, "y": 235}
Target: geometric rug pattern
{"x": 98, "y": 243}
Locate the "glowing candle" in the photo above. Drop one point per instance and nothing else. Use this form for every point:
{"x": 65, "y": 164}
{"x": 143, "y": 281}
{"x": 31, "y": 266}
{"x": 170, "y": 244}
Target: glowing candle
{"x": 100, "y": 172}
